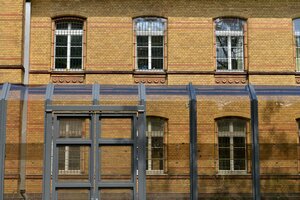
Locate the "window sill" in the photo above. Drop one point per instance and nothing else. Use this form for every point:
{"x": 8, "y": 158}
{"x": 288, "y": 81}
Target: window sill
{"x": 225, "y": 173}
{"x": 155, "y": 172}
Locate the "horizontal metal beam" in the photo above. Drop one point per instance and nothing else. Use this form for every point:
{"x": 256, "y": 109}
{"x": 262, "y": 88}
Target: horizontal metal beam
{"x": 73, "y": 185}
{"x": 115, "y": 185}
{"x": 72, "y": 141}
{"x": 94, "y": 108}
{"x": 115, "y": 141}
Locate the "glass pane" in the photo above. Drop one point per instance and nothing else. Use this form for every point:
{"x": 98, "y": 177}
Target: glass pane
{"x": 143, "y": 64}
{"x": 115, "y": 163}
{"x": 297, "y": 25}
{"x": 229, "y": 24}
{"x": 74, "y": 128}
{"x": 223, "y": 125}
{"x": 222, "y": 64}
{"x": 237, "y": 64}
{"x": 142, "y": 41}
{"x": 239, "y": 165}
{"x": 224, "y": 164}
{"x": 76, "y": 25}
{"x": 298, "y": 64}
{"x": 150, "y": 24}
{"x": 157, "y": 153}
{"x": 76, "y": 40}
{"x": 157, "y": 52}
{"x": 157, "y": 63}
{"x": 157, "y": 40}
{"x": 237, "y": 41}
{"x": 62, "y": 25}
{"x": 73, "y": 163}
{"x": 239, "y": 126}
{"x": 61, "y": 40}
{"x": 116, "y": 128}
{"x": 76, "y": 63}
{"x": 60, "y": 63}
{"x": 61, "y": 52}
{"x": 298, "y": 41}
{"x": 116, "y": 194}
{"x": 73, "y": 194}
{"x": 297, "y": 52}
{"x": 222, "y": 52}
{"x": 142, "y": 52}
{"x": 237, "y": 53}
{"x": 76, "y": 52}
{"x": 222, "y": 41}
{"x": 224, "y": 142}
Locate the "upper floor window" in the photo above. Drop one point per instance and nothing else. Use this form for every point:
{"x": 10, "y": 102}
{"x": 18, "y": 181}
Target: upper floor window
{"x": 229, "y": 44}
{"x": 150, "y": 43}
{"x": 232, "y": 145}
{"x": 68, "y": 48}
{"x": 297, "y": 42}
{"x": 155, "y": 145}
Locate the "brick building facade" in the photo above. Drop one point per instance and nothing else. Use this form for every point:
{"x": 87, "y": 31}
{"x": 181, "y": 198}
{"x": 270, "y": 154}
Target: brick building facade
{"x": 221, "y": 45}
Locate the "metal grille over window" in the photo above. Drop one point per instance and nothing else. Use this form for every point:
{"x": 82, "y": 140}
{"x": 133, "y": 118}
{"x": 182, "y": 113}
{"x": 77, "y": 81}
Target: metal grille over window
{"x": 70, "y": 156}
{"x": 150, "y": 42}
{"x": 68, "y": 46}
{"x": 297, "y": 42}
{"x": 232, "y": 145}
{"x": 155, "y": 145}
{"x": 229, "y": 44}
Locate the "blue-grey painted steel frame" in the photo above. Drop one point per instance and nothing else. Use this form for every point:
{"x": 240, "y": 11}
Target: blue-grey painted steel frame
{"x": 3, "y": 114}
{"x": 142, "y": 144}
{"x": 193, "y": 143}
{"x": 255, "y": 143}
{"x": 47, "y": 144}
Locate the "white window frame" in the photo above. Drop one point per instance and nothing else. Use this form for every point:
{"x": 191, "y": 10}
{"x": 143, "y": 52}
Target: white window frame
{"x": 149, "y": 135}
{"x": 66, "y": 171}
{"x": 232, "y": 134}
{"x": 150, "y": 34}
{"x": 230, "y": 34}
{"x": 69, "y": 33}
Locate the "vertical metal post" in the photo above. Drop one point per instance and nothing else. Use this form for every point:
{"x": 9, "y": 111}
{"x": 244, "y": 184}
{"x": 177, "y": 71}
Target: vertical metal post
{"x": 141, "y": 143}
{"x": 255, "y": 143}
{"x": 3, "y": 109}
{"x": 47, "y": 144}
{"x": 193, "y": 143}
{"x": 94, "y": 158}
{"x": 26, "y": 48}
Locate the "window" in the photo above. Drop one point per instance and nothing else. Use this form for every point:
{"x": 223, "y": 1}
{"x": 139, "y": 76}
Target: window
{"x": 150, "y": 43}
{"x": 232, "y": 145}
{"x": 297, "y": 42}
{"x": 68, "y": 51}
{"x": 70, "y": 156}
{"x": 155, "y": 145}
{"x": 229, "y": 44}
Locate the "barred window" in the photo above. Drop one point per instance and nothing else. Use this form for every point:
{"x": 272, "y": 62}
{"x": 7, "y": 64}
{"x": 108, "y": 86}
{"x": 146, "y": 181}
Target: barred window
{"x": 297, "y": 42}
{"x": 229, "y": 44}
{"x": 68, "y": 48}
{"x": 69, "y": 161}
{"x": 155, "y": 145}
{"x": 150, "y": 43}
{"x": 232, "y": 145}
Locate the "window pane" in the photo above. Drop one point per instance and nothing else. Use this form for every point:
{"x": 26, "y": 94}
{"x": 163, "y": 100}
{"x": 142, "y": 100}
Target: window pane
{"x": 76, "y": 63}
{"x": 157, "y": 153}
{"x": 63, "y": 25}
{"x": 239, "y": 142}
{"x": 142, "y": 51}
{"x": 222, "y": 64}
{"x": 157, "y": 124}
{"x": 60, "y": 63}
{"x": 76, "y": 25}
{"x": 239, "y": 125}
{"x": 157, "y": 41}
{"x": 222, "y": 52}
{"x": 74, "y": 158}
{"x": 239, "y": 165}
{"x": 157, "y": 52}
{"x": 224, "y": 164}
{"x": 223, "y": 125}
{"x": 229, "y": 24}
{"x": 224, "y": 142}
{"x": 298, "y": 41}
{"x": 61, "y": 52}
{"x": 236, "y": 41}
{"x": 297, "y": 25}
{"x": 61, "y": 40}
{"x": 142, "y": 63}
{"x": 237, "y": 64}
{"x": 157, "y": 63}
{"x": 142, "y": 41}
{"x": 62, "y": 158}
{"x": 298, "y": 64}
{"x": 224, "y": 153}
{"x": 237, "y": 53}
{"x": 297, "y": 52}
{"x": 222, "y": 41}
{"x": 76, "y": 52}
{"x": 76, "y": 40}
